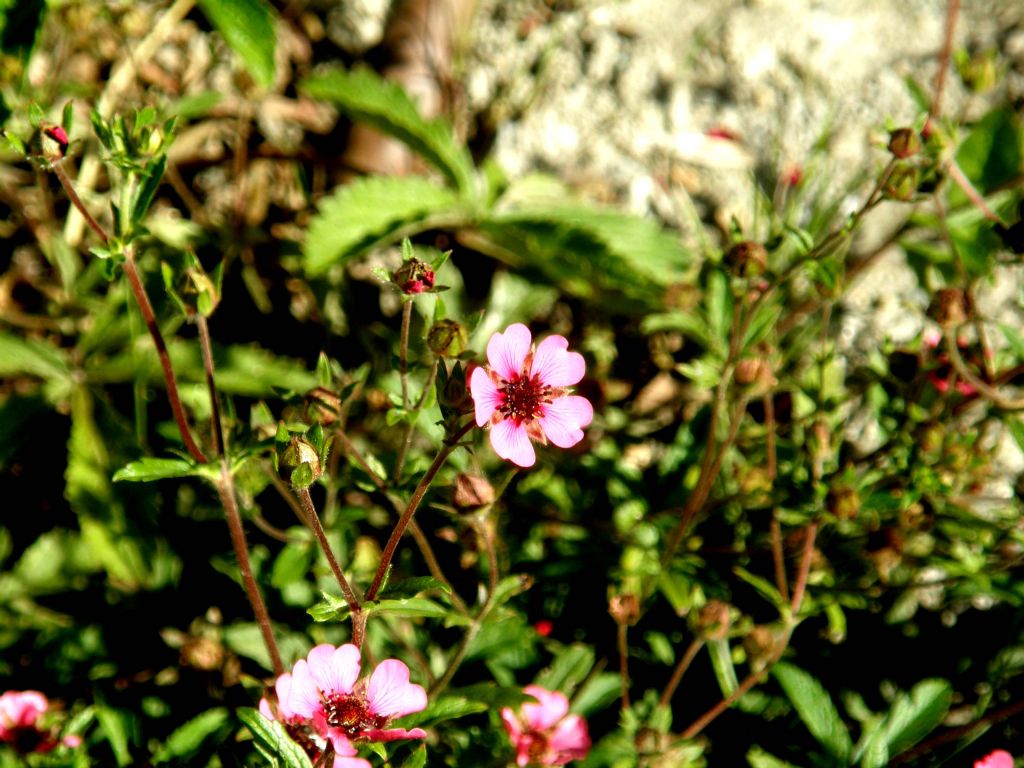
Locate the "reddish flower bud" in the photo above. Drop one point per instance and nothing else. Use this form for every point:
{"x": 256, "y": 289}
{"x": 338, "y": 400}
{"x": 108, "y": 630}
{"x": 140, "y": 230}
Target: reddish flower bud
{"x": 414, "y": 276}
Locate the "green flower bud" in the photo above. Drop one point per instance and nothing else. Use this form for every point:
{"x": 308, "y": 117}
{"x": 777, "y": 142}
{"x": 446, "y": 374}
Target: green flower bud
{"x": 298, "y": 463}
{"x": 447, "y": 338}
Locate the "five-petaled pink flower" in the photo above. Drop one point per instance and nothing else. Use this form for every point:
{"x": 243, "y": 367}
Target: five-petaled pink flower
{"x": 19, "y": 713}
{"x": 523, "y": 394}
{"x": 545, "y": 733}
{"x": 323, "y": 699}
{"x": 998, "y": 759}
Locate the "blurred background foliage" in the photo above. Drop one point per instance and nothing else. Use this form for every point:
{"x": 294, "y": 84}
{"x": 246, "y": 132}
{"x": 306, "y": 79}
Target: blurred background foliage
{"x": 830, "y": 532}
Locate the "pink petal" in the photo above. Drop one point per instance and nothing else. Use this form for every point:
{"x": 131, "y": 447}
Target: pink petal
{"x": 393, "y": 734}
{"x": 506, "y": 352}
{"x": 351, "y": 762}
{"x": 554, "y": 365}
{"x": 335, "y": 669}
{"x": 21, "y": 709}
{"x": 391, "y": 694}
{"x": 552, "y": 706}
{"x": 342, "y": 746}
{"x": 510, "y": 441}
{"x": 998, "y": 759}
{"x": 563, "y": 418}
{"x": 570, "y": 739}
{"x": 511, "y": 721}
{"x": 486, "y": 397}
{"x": 303, "y": 696}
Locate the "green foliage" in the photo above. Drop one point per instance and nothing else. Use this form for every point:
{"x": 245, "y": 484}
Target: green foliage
{"x": 816, "y": 709}
{"x": 272, "y": 741}
{"x": 369, "y": 98}
{"x": 249, "y": 27}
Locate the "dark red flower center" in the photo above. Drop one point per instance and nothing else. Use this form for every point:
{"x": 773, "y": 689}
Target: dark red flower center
{"x": 351, "y": 715}
{"x": 523, "y": 398}
{"x": 537, "y": 746}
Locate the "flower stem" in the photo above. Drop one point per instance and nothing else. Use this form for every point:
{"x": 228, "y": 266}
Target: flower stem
{"x": 677, "y": 674}
{"x": 313, "y": 520}
{"x": 414, "y": 501}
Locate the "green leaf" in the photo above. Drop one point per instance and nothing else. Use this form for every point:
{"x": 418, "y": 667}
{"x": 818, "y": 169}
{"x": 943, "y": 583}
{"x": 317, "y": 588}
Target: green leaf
{"x": 360, "y": 214}
{"x": 186, "y": 739}
{"x": 418, "y": 759}
{"x": 273, "y": 740}
{"x": 20, "y": 356}
{"x": 413, "y": 586}
{"x": 721, "y": 662}
{"x": 115, "y": 727}
{"x": 816, "y": 709}
{"x": 913, "y": 716}
{"x": 991, "y": 153}
{"x": 383, "y": 104}
{"x": 571, "y": 666}
{"x": 248, "y": 26}
{"x": 444, "y": 708}
{"x": 415, "y": 607}
{"x": 758, "y": 758}
{"x": 153, "y": 468}
{"x": 146, "y": 191}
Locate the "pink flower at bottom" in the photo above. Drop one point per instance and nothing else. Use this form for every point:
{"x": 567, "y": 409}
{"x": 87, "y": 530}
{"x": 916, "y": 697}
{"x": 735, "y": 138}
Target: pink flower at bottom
{"x": 19, "y": 715}
{"x": 545, "y": 733}
{"x": 523, "y": 394}
{"x": 324, "y": 699}
{"x": 998, "y": 759}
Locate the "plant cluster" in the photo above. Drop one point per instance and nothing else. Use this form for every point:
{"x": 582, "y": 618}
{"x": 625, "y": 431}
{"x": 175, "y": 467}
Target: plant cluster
{"x": 507, "y": 477}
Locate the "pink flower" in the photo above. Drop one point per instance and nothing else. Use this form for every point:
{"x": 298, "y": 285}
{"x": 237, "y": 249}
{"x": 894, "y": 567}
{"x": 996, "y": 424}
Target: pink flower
{"x": 545, "y": 733}
{"x": 324, "y": 699}
{"x": 523, "y": 394}
{"x": 19, "y": 713}
{"x": 998, "y": 759}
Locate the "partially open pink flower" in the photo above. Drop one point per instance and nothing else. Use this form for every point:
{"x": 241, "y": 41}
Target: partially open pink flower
{"x": 19, "y": 715}
{"x": 323, "y": 698}
{"x": 523, "y": 394}
{"x": 998, "y": 759}
{"x": 545, "y": 733}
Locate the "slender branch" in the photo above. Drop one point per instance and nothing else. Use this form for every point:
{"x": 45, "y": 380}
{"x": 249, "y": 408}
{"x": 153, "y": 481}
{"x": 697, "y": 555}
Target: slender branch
{"x": 987, "y": 390}
{"x": 756, "y": 677}
{"x": 777, "y": 557}
{"x": 205, "y": 344}
{"x": 623, "y": 646}
{"x": 952, "y": 10}
{"x": 972, "y": 194}
{"x": 313, "y": 520}
{"x": 227, "y": 497}
{"x": 403, "y": 353}
{"x": 414, "y": 501}
{"x": 680, "y": 669}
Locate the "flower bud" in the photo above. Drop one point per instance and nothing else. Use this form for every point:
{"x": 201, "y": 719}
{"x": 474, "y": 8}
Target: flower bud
{"x": 904, "y": 143}
{"x": 414, "y": 276}
{"x": 447, "y": 338}
{"x": 624, "y": 609}
{"x": 54, "y": 141}
{"x": 901, "y": 184}
{"x": 760, "y": 645}
{"x": 298, "y": 463}
{"x": 472, "y": 492}
{"x": 949, "y": 308}
{"x": 747, "y": 259}
{"x": 843, "y": 502}
{"x": 714, "y": 620}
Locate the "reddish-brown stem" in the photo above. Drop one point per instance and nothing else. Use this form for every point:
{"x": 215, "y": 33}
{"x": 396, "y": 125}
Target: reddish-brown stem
{"x": 972, "y": 194}
{"x": 777, "y": 557}
{"x": 754, "y": 678}
{"x": 142, "y": 299}
{"x": 680, "y": 669}
{"x": 414, "y": 501}
{"x": 952, "y": 11}
{"x": 132, "y": 273}
{"x": 313, "y": 521}
{"x": 623, "y": 645}
{"x": 225, "y": 489}
{"x": 417, "y": 533}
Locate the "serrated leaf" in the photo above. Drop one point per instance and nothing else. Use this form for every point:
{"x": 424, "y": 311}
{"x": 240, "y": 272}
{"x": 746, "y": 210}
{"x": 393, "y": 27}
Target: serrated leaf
{"x": 368, "y": 210}
{"x": 414, "y": 607}
{"x": 273, "y": 738}
{"x": 413, "y": 586}
{"x": 383, "y": 104}
{"x": 248, "y": 27}
{"x": 445, "y": 708}
{"x": 185, "y": 740}
{"x": 816, "y": 709}
{"x": 913, "y": 716}
{"x": 153, "y": 468}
